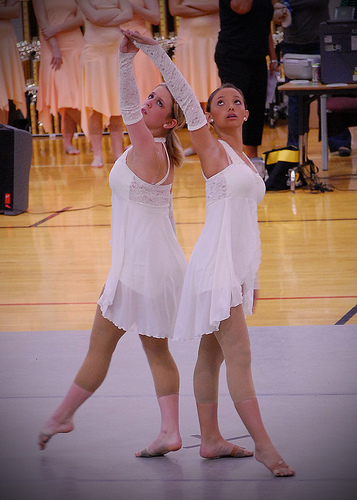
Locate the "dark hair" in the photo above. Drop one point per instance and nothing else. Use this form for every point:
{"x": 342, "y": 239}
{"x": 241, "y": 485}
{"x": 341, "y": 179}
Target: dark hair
{"x": 173, "y": 143}
{"x": 224, "y": 86}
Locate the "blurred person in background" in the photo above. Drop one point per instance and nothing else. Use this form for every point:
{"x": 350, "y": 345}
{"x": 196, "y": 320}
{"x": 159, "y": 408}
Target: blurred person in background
{"x": 61, "y": 46}
{"x": 12, "y": 79}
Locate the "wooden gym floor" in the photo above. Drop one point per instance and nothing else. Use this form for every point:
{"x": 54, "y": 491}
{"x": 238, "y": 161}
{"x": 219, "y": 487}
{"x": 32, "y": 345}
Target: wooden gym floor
{"x": 55, "y": 257}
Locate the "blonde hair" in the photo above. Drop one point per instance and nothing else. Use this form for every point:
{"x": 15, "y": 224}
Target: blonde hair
{"x": 173, "y": 143}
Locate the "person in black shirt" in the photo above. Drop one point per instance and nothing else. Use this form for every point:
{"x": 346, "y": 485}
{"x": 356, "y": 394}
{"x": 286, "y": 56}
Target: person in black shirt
{"x": 244, "y": 41}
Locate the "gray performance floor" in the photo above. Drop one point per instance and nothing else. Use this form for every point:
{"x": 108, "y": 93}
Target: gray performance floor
{"x": 306, "y": 381}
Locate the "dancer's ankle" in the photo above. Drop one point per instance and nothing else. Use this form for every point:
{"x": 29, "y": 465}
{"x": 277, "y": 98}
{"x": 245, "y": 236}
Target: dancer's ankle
{"x": 58, "y": 424}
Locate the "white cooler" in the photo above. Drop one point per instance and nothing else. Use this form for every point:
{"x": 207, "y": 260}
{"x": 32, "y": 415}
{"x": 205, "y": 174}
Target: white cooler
{"x": 299, "y": 66}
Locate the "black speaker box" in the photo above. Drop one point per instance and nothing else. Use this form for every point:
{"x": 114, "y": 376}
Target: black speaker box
{"x": 15, "y": 163}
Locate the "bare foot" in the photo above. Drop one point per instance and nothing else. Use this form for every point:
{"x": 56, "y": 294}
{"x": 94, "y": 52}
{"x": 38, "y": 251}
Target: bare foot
{"x": 71, "y": 150}
{"x": 281, "y": 469}
{"x": 51, "y": 428}
{"x": 224, "y": 450}
{"x": 160, "y": 447}
{"x": 273, "y": 461}
{"x": 97, "y": 162}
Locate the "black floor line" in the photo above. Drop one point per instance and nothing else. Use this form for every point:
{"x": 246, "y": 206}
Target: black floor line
{"x": 347, "y": 316}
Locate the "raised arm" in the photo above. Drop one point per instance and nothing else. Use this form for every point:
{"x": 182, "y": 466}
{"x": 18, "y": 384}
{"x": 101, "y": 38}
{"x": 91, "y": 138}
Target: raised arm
{"x": 211, "y": 153}
{"x": 108, "y": 17}
{"x": 11, "y": 10}
{"x": 144, "y": 155}
{"x": 150, "y": 12}
{"x": 193, "y": 8}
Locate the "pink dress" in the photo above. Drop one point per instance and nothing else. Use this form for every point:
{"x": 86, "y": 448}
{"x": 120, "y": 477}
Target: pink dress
{"x": 99, "y": 68}
{"x": 12, "y": 80}
{"x": 59, "y": 89}
{"x": 147, "y": 75}
{"x": 194, "y": 53}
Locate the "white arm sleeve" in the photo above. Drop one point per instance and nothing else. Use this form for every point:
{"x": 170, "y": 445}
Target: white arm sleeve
{"x": 177, "y": 85}
{"x": 129, "y": 98}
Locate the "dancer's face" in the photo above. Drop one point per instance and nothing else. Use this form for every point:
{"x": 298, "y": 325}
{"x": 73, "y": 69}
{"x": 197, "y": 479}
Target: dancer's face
{"x": 157, "y": 109}
{"x": 227, "y": 109}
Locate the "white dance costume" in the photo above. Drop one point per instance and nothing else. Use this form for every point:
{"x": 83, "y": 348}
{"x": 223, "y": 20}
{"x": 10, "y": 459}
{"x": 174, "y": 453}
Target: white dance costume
{"x": 144, "y": 284}
{"x": 222, "y": 270}
{"x": 223, "y": 266}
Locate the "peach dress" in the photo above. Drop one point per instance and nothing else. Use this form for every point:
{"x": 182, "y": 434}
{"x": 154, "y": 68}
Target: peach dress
{"x": 99, "y": 70}
{"x": 194, "y": 53}
{"x": 59, "y": 89}
{"x": 146, "y": 73}
{"x": 12, "y": 80}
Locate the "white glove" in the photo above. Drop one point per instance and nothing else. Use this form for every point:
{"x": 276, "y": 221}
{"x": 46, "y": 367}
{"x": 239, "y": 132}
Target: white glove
{"x": 177, "y": 85}
{"x": 129, "y": 98}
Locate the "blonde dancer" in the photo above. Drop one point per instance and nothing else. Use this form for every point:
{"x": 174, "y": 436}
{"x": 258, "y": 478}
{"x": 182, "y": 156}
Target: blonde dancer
{"x": 143, "y": 288}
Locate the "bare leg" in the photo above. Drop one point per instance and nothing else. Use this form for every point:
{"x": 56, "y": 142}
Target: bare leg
{"x": 104, "y": 338}
{"x": 265, "y": 452}
{"x": 233, "y": 338}
{"x": 95, "y": 134}
{"x": 167, "y": 382}
{"x": 206, "y": 377}
{"x": 116, "y": 135}
{"x": 71, "y": 117}
{"x": 62, "y": 418}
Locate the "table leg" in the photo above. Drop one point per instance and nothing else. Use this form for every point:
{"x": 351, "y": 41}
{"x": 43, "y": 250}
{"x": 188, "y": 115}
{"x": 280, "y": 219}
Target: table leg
{"x": 303, "y": 127}
{"x": 324, "y": 138}
{"x": 303, "y": 149}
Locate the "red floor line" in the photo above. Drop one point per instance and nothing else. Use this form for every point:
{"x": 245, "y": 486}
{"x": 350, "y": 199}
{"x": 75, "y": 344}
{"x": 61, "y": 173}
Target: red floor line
{"x": 260, "y": 298}
{"x": 310, "y": 298}
{"x": 50, "y": 304}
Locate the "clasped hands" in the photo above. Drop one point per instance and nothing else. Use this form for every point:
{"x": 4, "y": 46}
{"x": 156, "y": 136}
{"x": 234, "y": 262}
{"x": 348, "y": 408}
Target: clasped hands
{"x": 127, "y": 44}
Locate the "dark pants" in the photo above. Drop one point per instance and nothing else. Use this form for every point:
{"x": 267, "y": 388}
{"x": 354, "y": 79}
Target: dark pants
{"x": 251, "y": 78}
{"x": 343, "y": 139}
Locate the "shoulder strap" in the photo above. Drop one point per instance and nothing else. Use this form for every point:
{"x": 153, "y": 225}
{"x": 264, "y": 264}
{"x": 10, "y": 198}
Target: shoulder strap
{"x": 163, "y": 141}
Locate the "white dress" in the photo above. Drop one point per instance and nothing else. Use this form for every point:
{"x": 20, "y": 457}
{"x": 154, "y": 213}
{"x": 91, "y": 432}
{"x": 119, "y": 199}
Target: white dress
{"x": 222, "y": 270}
{"x": 143, "y": 288}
